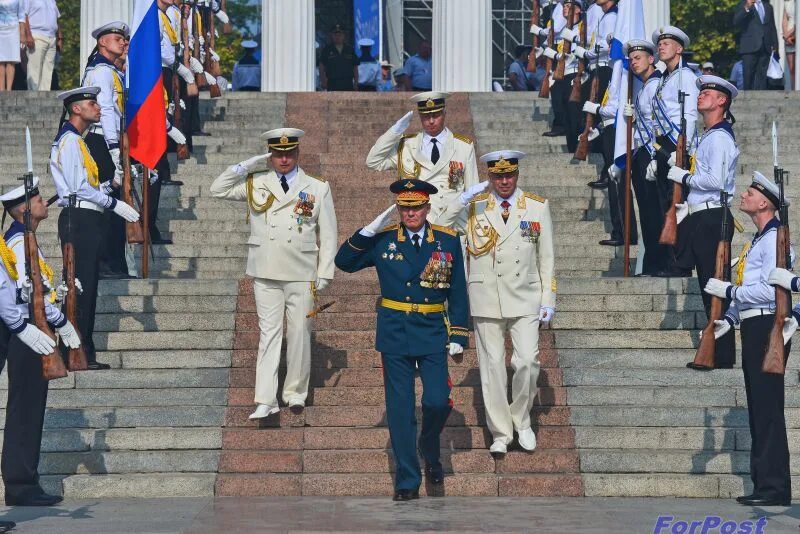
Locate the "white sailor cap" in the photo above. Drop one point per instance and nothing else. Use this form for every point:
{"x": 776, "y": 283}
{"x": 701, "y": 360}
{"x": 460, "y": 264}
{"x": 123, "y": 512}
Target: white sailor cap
{"x": 79, "y": 93}
{"x": 707, "y": 81}
{"x": 386, "y": 64}
{"x": 708, "y": 65}
{"x": 365, "y": 42}
{"x": 16, "y": 196}
{"x": 249, "y": 44}
{"x": 769, "y": 189}
{"x": 671, "y": 32}
{"x": 283, "y": 139}
{"x": 502, "y": 161}
{"x": 578, "y": 3}
{"x": 116, "y": 26}
{"x": 430, "y": 101}
{"x": 637, "y": 45}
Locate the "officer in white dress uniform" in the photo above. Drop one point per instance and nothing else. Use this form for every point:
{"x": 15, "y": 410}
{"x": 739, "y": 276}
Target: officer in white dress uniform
{"x": 435, "y": 155}
{"x": 292, "y": 245}
{"x": 753, "y": 308}
{"x": 512, "y": 288}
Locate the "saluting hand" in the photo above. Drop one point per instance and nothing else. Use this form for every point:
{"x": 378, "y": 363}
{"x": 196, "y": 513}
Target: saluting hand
{"x": 402, "y": 125}
{"x": 381, "y": 221}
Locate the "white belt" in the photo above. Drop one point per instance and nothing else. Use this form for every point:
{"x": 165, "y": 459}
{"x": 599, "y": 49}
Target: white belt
{"x": 608, "y": 122}
{"x": 570, "y": 70}
{"x": 96, "y": 130}
{"x": 87, "y": 205}
{"x": 593, "y": 65}
{"x": 754, "y": 312}
{"x": 694, "y": 208}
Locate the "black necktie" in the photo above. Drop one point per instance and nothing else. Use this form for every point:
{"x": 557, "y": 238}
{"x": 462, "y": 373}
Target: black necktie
{"x": 434, "y": 151}
{"x": 284, "y": 184}
{"x": 415, "y": 239}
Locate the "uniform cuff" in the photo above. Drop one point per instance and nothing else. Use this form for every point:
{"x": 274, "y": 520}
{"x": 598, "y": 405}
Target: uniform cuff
{"x": 112, "y": 204}
{"x": 459, "y": 335}
{"x": 730, "y": 293}
{"x": 60, "y": 321}
{"x": 796, "y": 284}
{"x": 18, "y": 326}
{"x": 112, "y": 146}
{"x": 359, "y": 242}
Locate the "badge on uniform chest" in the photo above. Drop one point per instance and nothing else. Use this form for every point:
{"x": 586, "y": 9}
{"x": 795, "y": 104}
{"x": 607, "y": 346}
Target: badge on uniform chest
{"x": 304, "y": 209}
{"x": 438, "y": 271}
{"x": 530, "y": 230}
{"x": 392, "y": 253}
{"x": 456, "y": 177}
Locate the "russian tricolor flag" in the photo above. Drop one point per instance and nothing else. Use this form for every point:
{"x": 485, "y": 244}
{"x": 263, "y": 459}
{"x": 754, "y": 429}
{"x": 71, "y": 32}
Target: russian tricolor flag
{"x": 146, "y": 115}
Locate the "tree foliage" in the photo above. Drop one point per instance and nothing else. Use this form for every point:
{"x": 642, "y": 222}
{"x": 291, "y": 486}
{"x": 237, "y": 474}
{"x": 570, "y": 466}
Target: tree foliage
{"x": 69, "y": 69}
{"x": 709, "y": 24}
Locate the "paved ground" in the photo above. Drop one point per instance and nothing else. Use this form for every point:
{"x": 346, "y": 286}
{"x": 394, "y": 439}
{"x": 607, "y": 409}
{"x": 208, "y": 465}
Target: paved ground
{"x": 450, "y": 514}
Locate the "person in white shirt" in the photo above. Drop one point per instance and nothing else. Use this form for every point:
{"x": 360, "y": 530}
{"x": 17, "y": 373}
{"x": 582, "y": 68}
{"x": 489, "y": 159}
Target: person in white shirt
{"x": 44, "y": 39}
{"x": 13, "y": 31}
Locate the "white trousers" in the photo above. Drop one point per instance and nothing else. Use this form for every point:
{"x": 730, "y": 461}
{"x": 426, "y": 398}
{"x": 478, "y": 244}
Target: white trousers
{"x": 503, "y": 418}
{"x": 273, "y": 298}
{"x": 40, "y": 63}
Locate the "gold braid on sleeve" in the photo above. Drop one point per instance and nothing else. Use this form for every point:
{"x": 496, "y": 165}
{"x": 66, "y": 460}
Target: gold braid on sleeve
{"x": 491, "y": 236}
{"x": 252, "y": 205}
{"x": 401, "y": 171}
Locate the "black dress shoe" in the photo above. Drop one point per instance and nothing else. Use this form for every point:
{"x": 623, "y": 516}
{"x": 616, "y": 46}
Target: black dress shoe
{"x": 698, "y": 367}
{"x": 42, "y": 499}
{"x": 171, "y": 182}
{"x": 612, "y": 242}
{"x": 112, "y": 275}
{"x": 201, "y": 133}
{"x": 555, "y": 132}
{"x": 673, "y": 273}
{"x": 744, "y": 498}
{"x": 405, "y": 495}
{"x": 161, "y": 241}
{"x": 97, "y": 366}
{"x": 599, "y": 184}
{"x": 7, "y": 526}
{"x": 434, "y": 474}
{"x": 754, "y": 500}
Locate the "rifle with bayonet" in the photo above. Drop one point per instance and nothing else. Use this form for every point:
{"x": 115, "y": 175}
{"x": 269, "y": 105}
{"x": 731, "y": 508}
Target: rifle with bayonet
{"x": 133, "y": 230}
{"x": 577, "y": 81}
{"x": 566, "y": 47}
{"x": 197, "y": 20}
{"x": 534, "y": 22}
{"x": 582, "y": 152}
{"x": 669, "y": 232}
{"x": 211, "y": 65}
{"x": 544, "y": 90}
{"x": 775, "y": 356}
{"x": 705, "y": 356}
{"x": 52, "y": 364}
{"x": 76, "y": 358}
{"x": 181, "y": 150}
{"x": 186, "y": 12}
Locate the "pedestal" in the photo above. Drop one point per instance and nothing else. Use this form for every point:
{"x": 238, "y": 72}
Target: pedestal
{"x": 462, "y": 45}
{"x": 287, "y": 44}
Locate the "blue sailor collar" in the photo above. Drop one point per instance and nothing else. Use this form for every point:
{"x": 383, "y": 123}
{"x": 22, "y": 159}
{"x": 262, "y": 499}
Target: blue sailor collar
{"x": 655, "y": 76}
{"x": 15, "y": 228}
{"x": 724, "y": 126}
{"x": 100, "y": 59}
{"x": 614, "y": 9}
{"x": 773, "y": 224}
{"x": 66, "y": 127}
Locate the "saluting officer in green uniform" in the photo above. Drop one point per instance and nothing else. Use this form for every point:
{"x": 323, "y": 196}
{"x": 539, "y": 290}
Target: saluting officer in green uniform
{"x": 420, "y": 268}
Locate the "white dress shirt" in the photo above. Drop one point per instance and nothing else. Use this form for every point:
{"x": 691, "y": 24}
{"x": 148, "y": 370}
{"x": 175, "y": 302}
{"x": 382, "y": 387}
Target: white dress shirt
{"x": 427, "y": 143}
{"x": 42, "y": 16}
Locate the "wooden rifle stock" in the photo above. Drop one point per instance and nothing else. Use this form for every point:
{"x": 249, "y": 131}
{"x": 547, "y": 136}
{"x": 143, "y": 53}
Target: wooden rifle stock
{"x": 52, "y": 364}
{"x": 544, "y": 90}
{"x": 199, "y": 79}
{"x": 534, "y": 20}
{"x": 77, "y": 357}
{"x": 227, "y": 27}
{"x": 582, "y": 152}
{"x": 775, "y": 357}
{"x": 211, "y": 66}
{"x": 577, "y": 82}
{"x": 566, "y": 47}
{"x": 133, "y": 230}
{"x": 669, "y": 232}
{"x": 182, "y": 151}
{"x": 186, "y": 12}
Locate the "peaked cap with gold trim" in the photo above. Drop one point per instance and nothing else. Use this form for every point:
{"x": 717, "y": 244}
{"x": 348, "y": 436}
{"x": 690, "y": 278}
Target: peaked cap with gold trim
{"x": 503, "y": 161}
{"x": 430, "y": 101}
{"x": 412, "y": 192}
{"x": 283, "y": 139}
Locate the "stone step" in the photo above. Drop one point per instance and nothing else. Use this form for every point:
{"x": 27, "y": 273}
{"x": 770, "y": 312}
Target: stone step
{"x": 669, "y": 461}
{"x": 686, "y": 439}
{"x": 657, "y": 416}
{"x": 131, "y": 439}
{"x": 126, "y": 462}
{"x": 152, "y": 485}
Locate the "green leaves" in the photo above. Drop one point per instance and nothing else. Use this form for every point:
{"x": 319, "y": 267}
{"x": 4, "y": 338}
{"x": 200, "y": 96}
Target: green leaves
{"x": 709, "y": 24}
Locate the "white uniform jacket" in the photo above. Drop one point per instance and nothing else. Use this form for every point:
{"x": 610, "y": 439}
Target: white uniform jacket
{"x": 284, "y": 244}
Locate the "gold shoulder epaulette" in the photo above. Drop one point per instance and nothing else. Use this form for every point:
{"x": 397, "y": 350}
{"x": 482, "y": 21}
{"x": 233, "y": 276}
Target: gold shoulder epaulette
{"x": 537, "y": 198}
{"x": 409, "y": 136}
{"x": 481, "y": 197}
{"x": 463, "y": 138}
{"x": 389, "y": 228}
{"x": 444, "y": 229}
{"x": 316, "y": 178}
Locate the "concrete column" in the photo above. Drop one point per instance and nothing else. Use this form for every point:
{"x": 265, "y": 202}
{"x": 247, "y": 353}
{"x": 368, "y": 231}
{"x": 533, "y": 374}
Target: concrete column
{"x": 656, "y": 14}
{"x": 462, "y": 45}
{"x": 287, "y": 44}
{"x": 95, "y": 13}
{"x": 393, "y": 17}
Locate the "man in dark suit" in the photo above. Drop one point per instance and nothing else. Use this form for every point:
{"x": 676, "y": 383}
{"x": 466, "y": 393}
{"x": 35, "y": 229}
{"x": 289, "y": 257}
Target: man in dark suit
{"x": 755, "y": 20}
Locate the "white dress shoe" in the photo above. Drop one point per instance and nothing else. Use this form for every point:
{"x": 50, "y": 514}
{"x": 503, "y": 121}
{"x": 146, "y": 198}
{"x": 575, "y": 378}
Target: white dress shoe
{"x": 527, "y": 439}
{"x": 296, "y": 403}
{"x": 264, "y": 410}
{"x": 498, "y": 447}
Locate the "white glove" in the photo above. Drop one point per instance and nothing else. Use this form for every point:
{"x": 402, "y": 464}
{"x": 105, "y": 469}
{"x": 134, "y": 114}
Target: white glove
{"x": 614, "y": 172}
{"x": 223, "y": 83}
{"x": 402, "y": 125}
{"x": 210, "y": 78}
{"x": 214, "y": 55}
{"x": 676, "y": 174}
{"x": 652, "y": 171}
{"x": 455, "y": 348}
{"x": 579, "y": 51}
{"x": 78, "y": 286}
{"x": 223, "y": 17}
{"x": 115, "y": 159}
{"x": 153, "y": 176}
{"x": 186, "y": 74}
{"x": 472, "y": 191}
{"x": 176, "y": 135}
{"x": 25, "y": 290}
{"x": 627, "y": 110}
{"x": 549, "y": 53}
{"x": 61, "y": 291}
{"x": 171, "y": 108}
{"x": 251, "y": 164}
{"x": 789, "y": 328}
{"x": 551, "y": 80}
{"x": 682, "y": 211}
{"x": 718, "y": 288}
{"x": 201, "y": 40}
{"x": 569, "y": 34}
{"x": 322, "y": 283}
{"x": 538, "y": 30}
{"x": 37, "y": 340}
{"x": 195, "y": 65}
{"x": 546, "y": 314}
{"x": 591, "y": 107}
{"x": 594, "y": 133}
{"x": 781, "y": 277}
{"x": 672, "y": 161}
{"x": 721, "y": 327}
{"x": 125, "y": 211}
{"x": 381, "y": 221}
{"x": 539, "y": 51}
{"x": 69, "y": 336}
{"x": 182, "y": 103}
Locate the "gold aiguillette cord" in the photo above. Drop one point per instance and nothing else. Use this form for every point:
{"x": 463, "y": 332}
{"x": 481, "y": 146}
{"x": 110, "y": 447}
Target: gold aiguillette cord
{"x": 317, "y": 309}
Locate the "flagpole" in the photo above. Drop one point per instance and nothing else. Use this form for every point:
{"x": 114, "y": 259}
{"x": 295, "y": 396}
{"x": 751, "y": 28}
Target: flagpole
{"x": 628, "y": 166}
{"x": 146, "y": 223}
